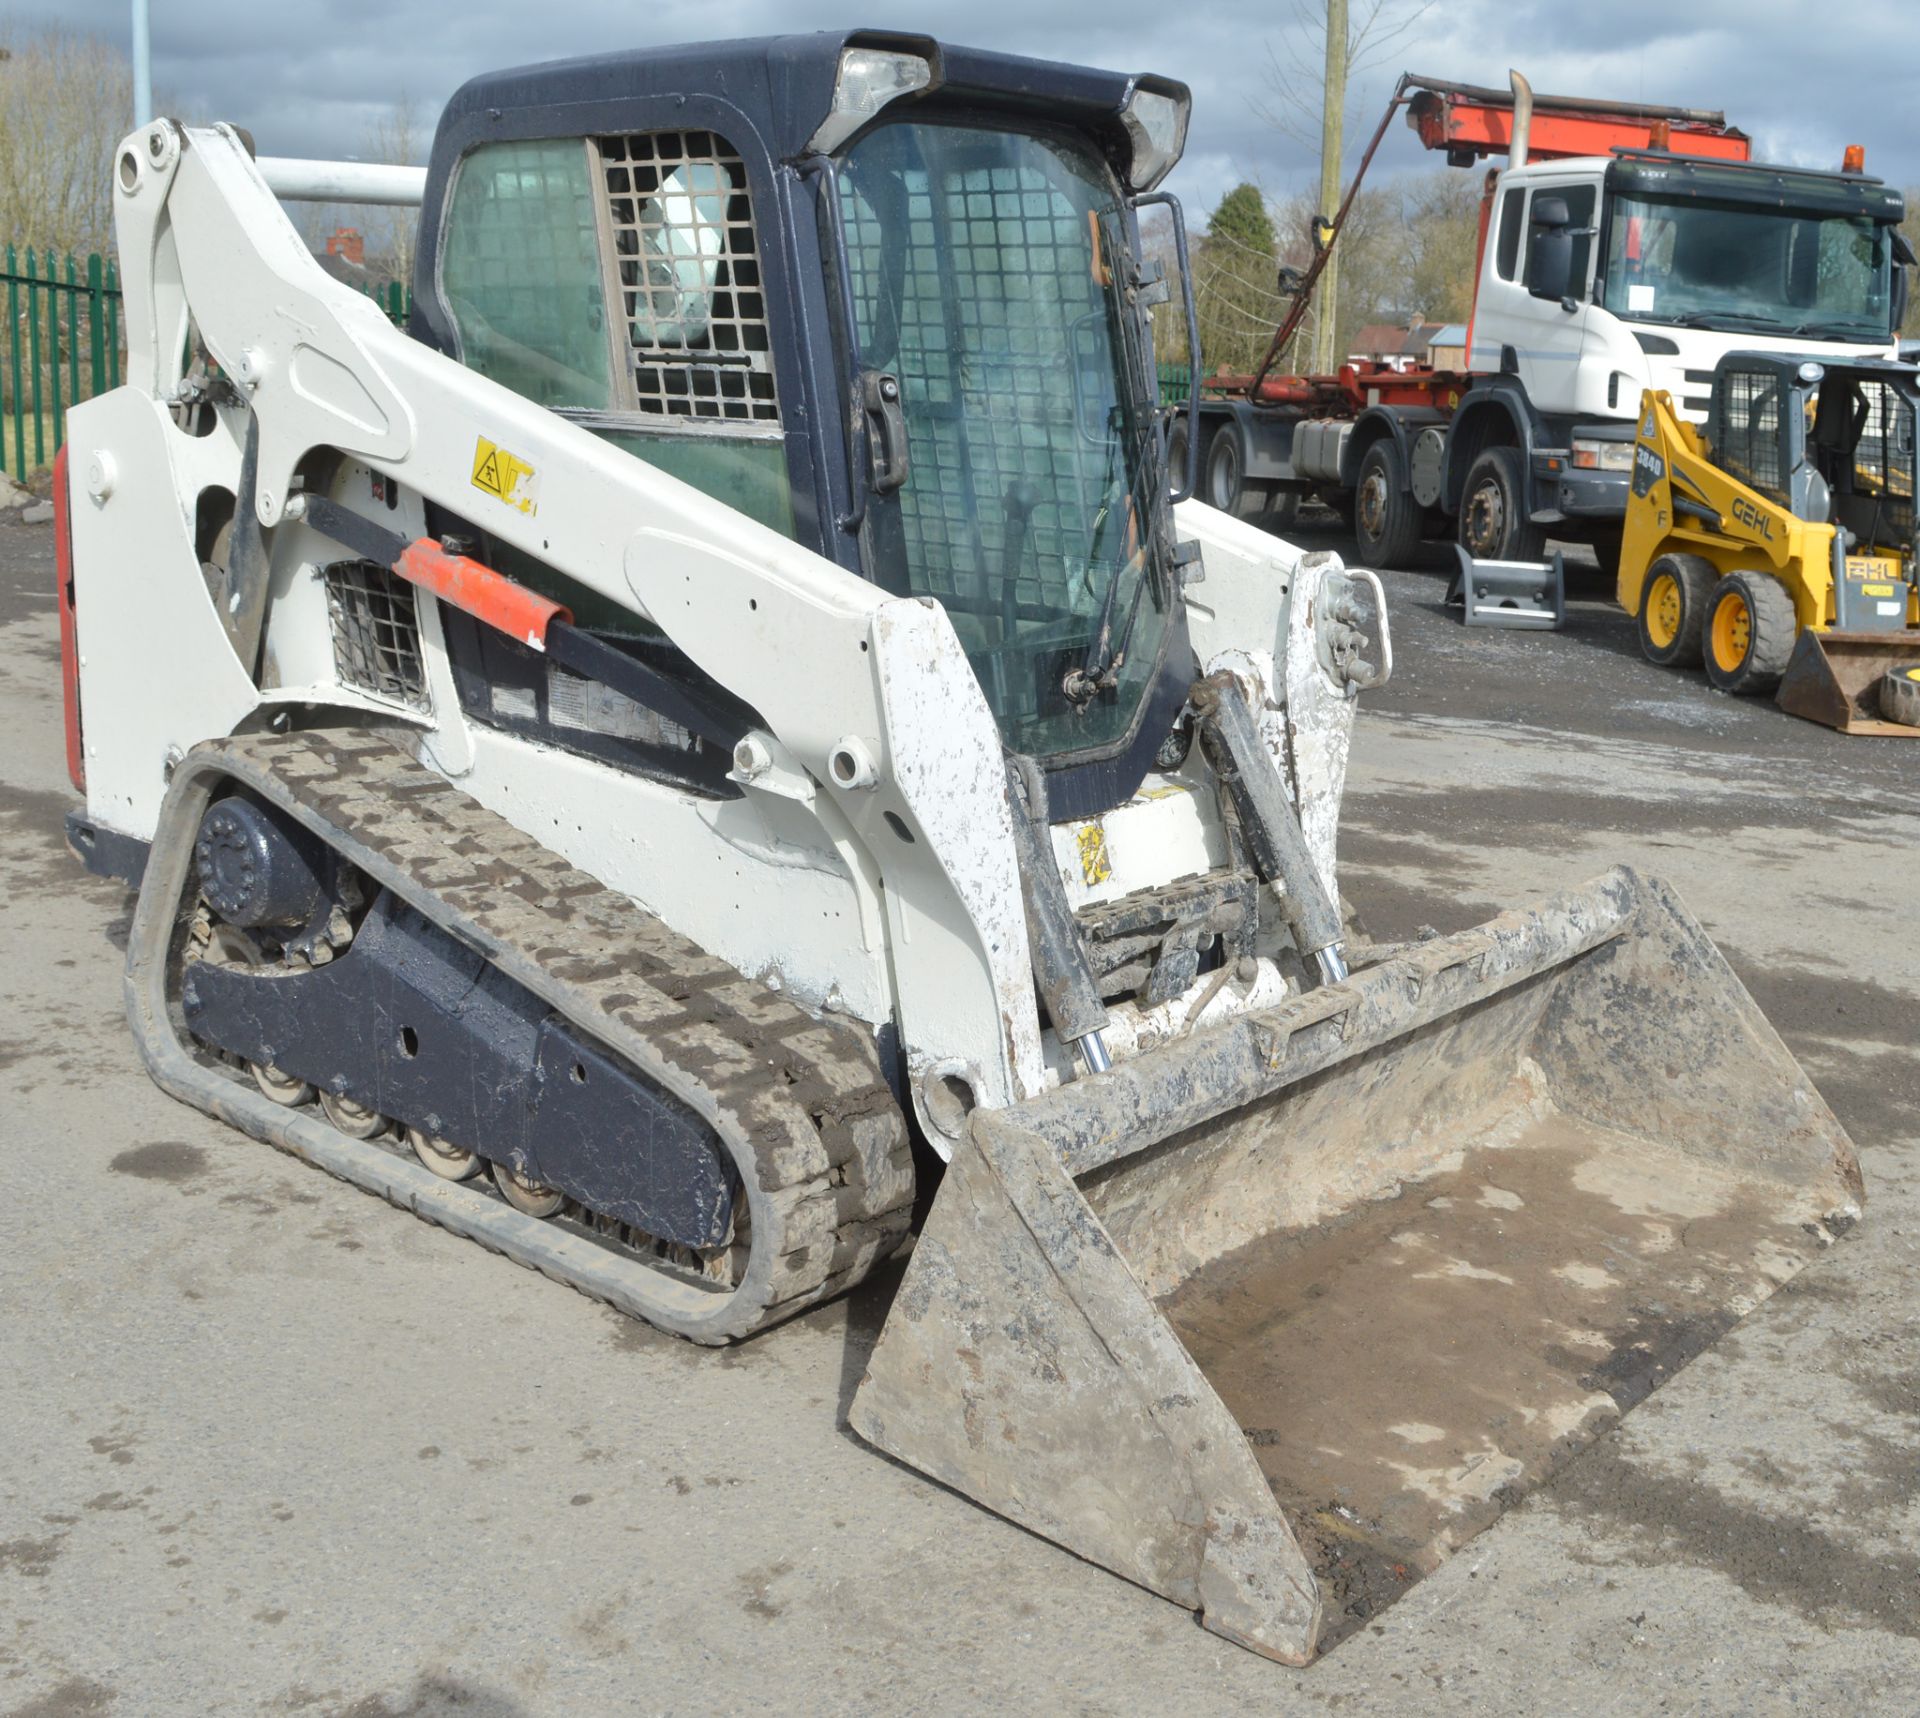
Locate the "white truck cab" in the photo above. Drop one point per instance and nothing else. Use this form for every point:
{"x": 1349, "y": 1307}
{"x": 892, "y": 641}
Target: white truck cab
{"x": 1628, "y": 247}
{"x": 1674, "y": 262}
{"x": 1601, "y": 277}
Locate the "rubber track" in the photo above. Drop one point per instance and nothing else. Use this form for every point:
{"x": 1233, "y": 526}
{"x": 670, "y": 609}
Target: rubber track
{"x": 800, "y": 1102}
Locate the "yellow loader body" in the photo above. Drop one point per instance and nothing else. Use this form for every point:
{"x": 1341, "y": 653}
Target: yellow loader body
{"x": 1700, "y": 544}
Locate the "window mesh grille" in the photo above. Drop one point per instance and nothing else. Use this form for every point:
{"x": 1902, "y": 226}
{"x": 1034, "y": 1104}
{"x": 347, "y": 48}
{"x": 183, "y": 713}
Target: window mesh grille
{"x": 1881, "y": 482}
{"x": 689, "y": 277}
{"x": 376, "y": 632}
{"x": 1746, "y": 416}
{"x": 1005, "y": 254}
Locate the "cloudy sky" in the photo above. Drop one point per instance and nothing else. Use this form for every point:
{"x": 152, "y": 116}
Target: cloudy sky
{"x": 308, "y": 76}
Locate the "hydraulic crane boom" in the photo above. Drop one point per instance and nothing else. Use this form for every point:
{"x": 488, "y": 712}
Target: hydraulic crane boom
{"x": 1470, "y": 122}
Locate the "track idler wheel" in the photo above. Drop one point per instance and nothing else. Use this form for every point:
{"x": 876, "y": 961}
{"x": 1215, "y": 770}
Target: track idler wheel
{"x": 522, "y": 1194}
{"x": 443, "y": 1157}
{"x": 288, "y": 1089}
{"x": 356, "y": 1120}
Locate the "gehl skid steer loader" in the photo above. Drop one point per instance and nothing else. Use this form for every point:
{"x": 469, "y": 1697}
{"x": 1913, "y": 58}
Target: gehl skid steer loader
{"x": 1778, "y": 545}
{"x": 726, "y": 735}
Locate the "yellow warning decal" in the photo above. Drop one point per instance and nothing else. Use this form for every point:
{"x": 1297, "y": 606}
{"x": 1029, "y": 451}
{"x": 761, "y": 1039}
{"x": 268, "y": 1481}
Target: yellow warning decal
{"x": 505, "y": 476}
{"x": 1876, "y": 590}
{"x": 1095, "y": 866}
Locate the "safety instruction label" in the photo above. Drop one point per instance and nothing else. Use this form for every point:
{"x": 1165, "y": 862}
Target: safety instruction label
{"x": 505, "y": 476}
{"x": 1095, "y": 866}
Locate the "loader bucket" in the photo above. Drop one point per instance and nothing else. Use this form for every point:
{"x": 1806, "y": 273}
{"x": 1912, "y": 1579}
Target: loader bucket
{"x": 1834, "y": 677}
{"x": 1273, "y": 1319}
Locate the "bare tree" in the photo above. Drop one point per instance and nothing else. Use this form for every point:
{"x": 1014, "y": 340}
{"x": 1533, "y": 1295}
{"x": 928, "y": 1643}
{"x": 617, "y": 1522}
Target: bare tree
{"x": 66, "y": 100}
{"x": 397, "y": 136}
{"x": 1309, "y": 103}
{"x": 1375, "y": 28}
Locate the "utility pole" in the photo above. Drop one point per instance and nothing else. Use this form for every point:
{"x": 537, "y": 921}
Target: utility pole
{"x": 1333, "y": 104}
{"x": 143, "y": 67}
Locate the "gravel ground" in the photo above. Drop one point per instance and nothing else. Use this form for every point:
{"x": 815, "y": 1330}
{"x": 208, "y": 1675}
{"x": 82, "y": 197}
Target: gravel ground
{"x": 274, "y": 1447}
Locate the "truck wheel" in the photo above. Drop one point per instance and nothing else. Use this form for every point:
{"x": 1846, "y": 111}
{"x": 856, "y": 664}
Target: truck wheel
{"x": 1673, "y": 610}
{"x": 1386, "y": 518}
{"x": 1749, "y": 631}
{"x": 1177, "y": 457}
{"x": 1226, "y": 485}
{"x": 1606, "y": 550}
{"x": 1494, "y": 525}
{"x": 1900, "y": 695}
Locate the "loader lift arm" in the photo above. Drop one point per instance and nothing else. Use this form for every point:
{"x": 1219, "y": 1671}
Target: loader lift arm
{"x": 206, "y": 243}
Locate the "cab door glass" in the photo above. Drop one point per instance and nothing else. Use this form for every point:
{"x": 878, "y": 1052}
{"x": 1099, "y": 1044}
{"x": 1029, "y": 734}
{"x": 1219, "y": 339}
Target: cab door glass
{"x": 521, "y": 273}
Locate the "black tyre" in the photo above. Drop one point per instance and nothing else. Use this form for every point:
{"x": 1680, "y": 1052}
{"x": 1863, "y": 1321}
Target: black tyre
{"x": 1226, "y": 485}
{"x": 1606, "y": 550}
{"x": 1177, "y": 438}
{"x": 1494, "y": 525}
{"x": 1900, "y": 695}
{"x": 1386, "y": 518}
{"x": 1282, "y": 507}
{"x": 1748, "y": 631}
{"x": 1673, "y": 610}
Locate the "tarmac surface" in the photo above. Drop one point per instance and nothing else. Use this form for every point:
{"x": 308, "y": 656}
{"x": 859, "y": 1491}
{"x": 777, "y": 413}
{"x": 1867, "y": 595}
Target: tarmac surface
{"x": 274, "y": 1447}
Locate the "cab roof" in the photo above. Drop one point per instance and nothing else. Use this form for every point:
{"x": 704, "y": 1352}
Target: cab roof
{"x": 784, "y": 85}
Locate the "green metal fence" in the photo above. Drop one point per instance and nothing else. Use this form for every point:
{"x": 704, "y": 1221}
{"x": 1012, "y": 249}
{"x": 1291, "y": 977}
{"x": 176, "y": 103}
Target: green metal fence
{"x": 63, "y": 345}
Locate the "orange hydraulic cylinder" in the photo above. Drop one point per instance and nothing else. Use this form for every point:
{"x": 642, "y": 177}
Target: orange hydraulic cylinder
{"x": 479, "y": 591}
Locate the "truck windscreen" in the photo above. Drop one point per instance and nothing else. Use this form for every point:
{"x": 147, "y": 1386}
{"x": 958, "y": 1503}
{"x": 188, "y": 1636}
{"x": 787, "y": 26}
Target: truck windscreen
{"x": 1748, "y": 267}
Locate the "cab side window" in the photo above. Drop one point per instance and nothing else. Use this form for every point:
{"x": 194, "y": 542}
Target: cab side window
{"x": 1506, "y": 256}
{"x": 618, "y": 279}
{"x": 521, "y": 272}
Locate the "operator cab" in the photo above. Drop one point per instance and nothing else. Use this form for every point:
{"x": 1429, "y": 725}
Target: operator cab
{"x": 1833, "y": 444}
{"x": 882, "y": 295}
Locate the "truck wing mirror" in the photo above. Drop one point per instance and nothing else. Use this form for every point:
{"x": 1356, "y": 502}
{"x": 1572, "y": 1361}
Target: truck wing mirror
{"x": 1550, "y": 264}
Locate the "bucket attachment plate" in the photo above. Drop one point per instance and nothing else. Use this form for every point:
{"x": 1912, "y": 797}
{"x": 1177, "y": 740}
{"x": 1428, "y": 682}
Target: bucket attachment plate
{"x": 1529, "y": 596}
{"x": 1834, "y": 678}
{"x": 1274, "y": 1319}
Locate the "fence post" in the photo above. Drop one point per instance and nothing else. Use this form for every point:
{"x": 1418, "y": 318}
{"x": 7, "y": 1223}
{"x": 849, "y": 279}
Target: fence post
{"x": 73, "y": 344}
{"x": 33, "y": 353}
{"x": 113, "y": 324}
{"x": 96, "y": 331}
{"x": 52, "y": 277}
{"x": 13, "y": 327}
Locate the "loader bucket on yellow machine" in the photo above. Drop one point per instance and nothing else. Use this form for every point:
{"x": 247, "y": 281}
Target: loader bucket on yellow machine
{"x": 1273, "y": 1319}
{"x": 1834, "y": 677}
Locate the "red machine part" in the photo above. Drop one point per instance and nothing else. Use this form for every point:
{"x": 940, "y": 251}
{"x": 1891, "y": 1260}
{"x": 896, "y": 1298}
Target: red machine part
{"x": 1469, "y": 122}
{"x": 69, "y": 631}
{"x": 479, "y": 591}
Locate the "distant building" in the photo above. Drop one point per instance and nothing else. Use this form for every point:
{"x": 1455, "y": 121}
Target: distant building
{"x": 1392, "y": 345}
{"x": 345, "y": 256}
{"x": 1447, "y": 350}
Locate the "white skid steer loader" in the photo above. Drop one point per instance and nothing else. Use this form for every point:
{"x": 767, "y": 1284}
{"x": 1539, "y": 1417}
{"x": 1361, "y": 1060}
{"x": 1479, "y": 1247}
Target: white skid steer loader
{"x": 722, "y": 744}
